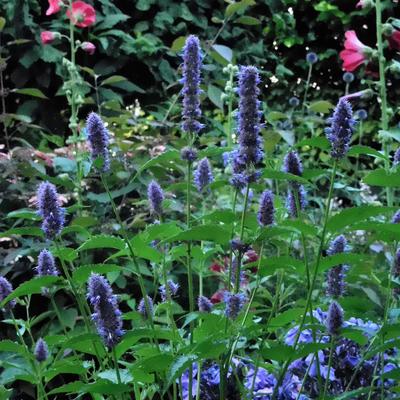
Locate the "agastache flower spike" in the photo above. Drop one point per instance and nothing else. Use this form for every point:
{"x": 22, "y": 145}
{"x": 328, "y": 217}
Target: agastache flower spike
{"x": 249, "y": 115}
{"x": 266, "y": 210}
{"x": 396, "y": 273}
{"x": 46, "y": 264}
{"x": 233, "y": 304}
{"x": 107, "y": 315}
{"x": 41, "y": 350}
{"x": 204, "y": 304}
{"x": 396, "y": 217}
{"x": 292, "y": 202}
{"x": 334, "y": 319}
{"x": 6, "y": 289}
{"x": 292, "y": 164}
{"x": 336, "y": 275}
{"x": 341, "y": 129}
{"x": 203, "y": 174}
{"x": 192, "y": 59}
{"x": 172, "y": 288}
{"x": 396, "y": 157}
{"x": 50, "y": 210}
{"x": 142, "y": 307}
{"x": 156, "y": 197}
{"x": 98, "y": 138}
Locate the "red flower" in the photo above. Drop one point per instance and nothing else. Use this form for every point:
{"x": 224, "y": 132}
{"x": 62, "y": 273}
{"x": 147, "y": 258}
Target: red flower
{"x": 394, "y": 40}
{"x": 47, "y": 37}
{"x": 54, "y": 7}
{"x": 354, "y": 53}
{"x": 217, "y": 268}
{"x": 218, "y": 296}
{"x": 88, "y": 47}
{"x": 82, "y": 14}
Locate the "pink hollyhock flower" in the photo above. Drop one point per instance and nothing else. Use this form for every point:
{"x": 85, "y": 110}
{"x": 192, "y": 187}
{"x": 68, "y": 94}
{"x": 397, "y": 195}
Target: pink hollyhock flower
{"x": 47, "y": 37}
{"x": 394, "y": 40}
{"x": 88, "y": 47}
{"x": 354, "y": 53}
{"x": 82, "y": 14}
{"x": 54, "y": 7}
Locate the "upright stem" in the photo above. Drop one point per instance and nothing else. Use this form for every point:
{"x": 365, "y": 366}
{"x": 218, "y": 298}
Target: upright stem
{"x": 327, "y": 380}
{"x": 314, "y": 277}
{"x": 383, "y": 93}
{"x": 3, "y": 101}
{"x": 310, "y": 67}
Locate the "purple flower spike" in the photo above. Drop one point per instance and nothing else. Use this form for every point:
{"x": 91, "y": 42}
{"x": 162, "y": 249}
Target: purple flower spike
{"x": 192, "y": 59}
{"x": 6, "y": 289}
{"x": 291, "y": 203}
{"x": 234, "y": 304}
{"x": 396, "y": 218}
{"x": 41, "y": 350}
{"x": 396, "y": 273}
{"x": 172, "y": 288}
{"x": 156, "y": 197}
{"x": 204, "y": 304}
{"x": 266, "y": 210}
{"x": 98, "y": 138}
{"x": 292, "y": 164}
{"x": 249, "y": 116}
{"x": 336, "y": 275}
{"x": 50, "y": 210}
{"x": 188, "y": 154}
{"x": 396, "y": 157}
{"x": 203, "y": 174}
{"x": 142, "y": 307}
{"x": 107, "y": 315}
{"x": 46, "y": 264}
{"x": 334, "y": 319}
{"x": 341, "y": 129}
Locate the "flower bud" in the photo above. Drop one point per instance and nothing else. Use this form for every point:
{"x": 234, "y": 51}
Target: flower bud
{"x": 88, "y": 47}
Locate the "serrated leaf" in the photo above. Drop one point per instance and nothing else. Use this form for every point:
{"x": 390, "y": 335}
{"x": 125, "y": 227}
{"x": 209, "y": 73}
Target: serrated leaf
{"x": 113, "y": 79}
{"x": 178, "y": 43}
{"x": 381, "y": 177}
{"x": 321, "y": 106}
{"x": 103, "y": 241}
{"x": 280, "y": 175}
{"x": 211, "y": 233}
{"x": 178, "y": 367}
{"x": 31, "y": 92}
{"x": 81, "y": 274}
{"x": 365, "y": 150}
{"x": 23, "y": 231}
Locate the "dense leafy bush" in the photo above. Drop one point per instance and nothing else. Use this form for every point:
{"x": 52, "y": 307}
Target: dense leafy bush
{"x": 234, "y": 235}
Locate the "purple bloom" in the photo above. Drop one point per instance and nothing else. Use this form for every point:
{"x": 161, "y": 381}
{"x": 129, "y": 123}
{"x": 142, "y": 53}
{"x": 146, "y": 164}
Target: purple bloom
{"x": 292, "y": 164}
{"x": 6, "y": 289}
{"x": 239, "y": 246}
{"x": 266, "y": 210}
{"x": 156, "y": 197}
{"x": 396, "y": 157}
{"x": 311, "y": 57}
{"x": 142, "y": 307}
{"x": 234, "y": 304}
{"x": 107, "y": 315}
{"x": 334, "y": 319}
{"x": 336, "y": 275}
{"x": 396, "y": 218}
{"x": 361, "y": 114}
{"x": 296, "y": 197}
{"x": 98, "y": 137}
{"x": 249, "y": 115}
{"x": 294, "y": 101}
{"x": 348, "y": 77}
{"x": 41, "y": 350}
{"x": 396, "y": 273}
{"x": 49, "y": 209}
{"x": 203, "y": 174}
{"x": 204, "y": 304}
{"x": 188, "y": 154}
{"x": 192, "y": 59}
{"x": 341, "y": 129}
{"x": 172, "y": 289}
{"x": 46, "y": 264}
{"x": 264, "y": 383}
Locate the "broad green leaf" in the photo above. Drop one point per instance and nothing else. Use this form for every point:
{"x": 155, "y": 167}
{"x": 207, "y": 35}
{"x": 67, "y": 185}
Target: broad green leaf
{"x": 10, "y": 346}
{"x": 365, "y": 150}
{"x": 237, "y": 7}
{"x": 24, "y": 213}
{"x": 31, "y": 92}
{"x": 179, "y": 366}
{"x": 23, "y": 231}
{"x": 342, "y": 258}
{"x": 214, "y": 94}
{"x": 280, "y": 175}
{"x": 211, "y": 233}
{"x": 178, "y": 43}
{"x": 2, "y": 23}
{"x": 381, "y": 177}
{"x": 89, "y": 343}
{"x": 300, "y": 226}
{"x": 321, "y": 106}
{"x": 223, "y": 51}
{"x": 63, "y": 367}
{"x": 352, "y": 215}
{"x": 113, "y": 79}
{"x": 103, "y": 241}
{"x": 246, "y": 20}
{"x": 81, "y": 274}
{"x": 320, "y": 142}
{"x": 33, "y": 286}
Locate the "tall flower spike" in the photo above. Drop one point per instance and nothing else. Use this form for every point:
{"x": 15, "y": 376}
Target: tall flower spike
{"x": 46, "y": 264}
{"x": 266, "y": 210}
{"x": 192, "y": 59}
{"x": 336, "y": 275}
{"x": 396, "y": 273}
{"x": 292, "y": 164}
{"x": 396, "y": 157}
{"x": 334, "y": 319}
{"x": 249, "y": 116}
{"x": 41, "y": 350}
{"x": 6, "y": 289}
{"x": 341, "y": 129}
{"x": 204, "y": 304}
{"x": 233, "y": 304}
{"x": 156, "y": 197}
{"x": 296, "y": 197}
{"x": 396, "y": 217}
{"x": 203, "y": 174}
{"x": 107, "y": 315}
{"x": 172, "y": 288}
{"x": 142, "y": 307}
{"x": 98, "y": 138}
{"x": 50, "y": 210}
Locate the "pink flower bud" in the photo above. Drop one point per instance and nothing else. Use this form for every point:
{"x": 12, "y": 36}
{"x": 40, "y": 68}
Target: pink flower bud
{"x": 88, "y": 47}
{"x": 48, "y": 37}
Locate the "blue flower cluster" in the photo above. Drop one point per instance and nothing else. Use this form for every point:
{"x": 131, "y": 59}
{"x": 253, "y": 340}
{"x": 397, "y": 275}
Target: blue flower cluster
{"x": 98, "y": 138}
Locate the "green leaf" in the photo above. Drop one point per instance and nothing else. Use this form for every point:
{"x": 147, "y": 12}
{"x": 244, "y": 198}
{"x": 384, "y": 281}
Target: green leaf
{"x": 2, "y": 23}
{"x": 214, "y": 94}
{"x": 179, "y": 366}
{"x": 365, "y": 150}
{"x": 343, "y": 258}
{"x": 10, "y": 346}
{"x": 211, "y": 233}
{"x": 23, "y": 231}
{"x": 237, "y": 7}
{"x": 223, "y": 51}
{"x": 178, "y": 43}
{"x": 280, "y": 175}
{"x": 245, "y": 20}
{"x": 321, "y": 106}
{"x": 24, "y": 213}
{"x": 355, "y": 214}
{"x": 31, "y": 92}
{"x": 381, "y": 177}
{"x": 103, "y": 241}
{"x": 320, "y": 142}
{"x": 82, "y": 273}
{"x": 113, "y": 79}
{"x": 32, "y": 286}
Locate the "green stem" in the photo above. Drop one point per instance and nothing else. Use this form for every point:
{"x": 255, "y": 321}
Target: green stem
{"x": 383, "y": 93}
{"x": 310, "y": 68}
{"x": 327, "y": 380}
{"x": 315, "y": 274}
